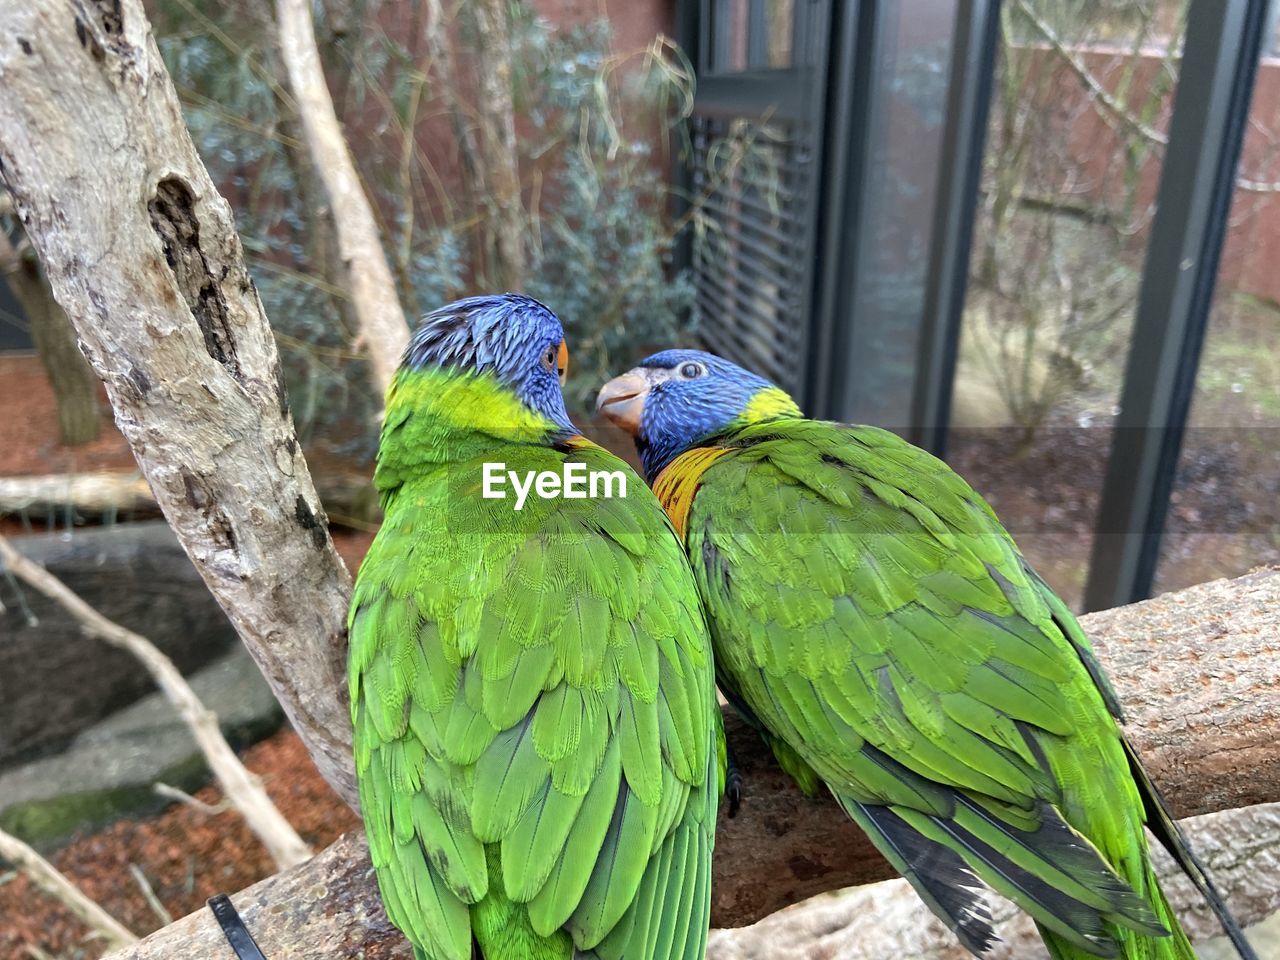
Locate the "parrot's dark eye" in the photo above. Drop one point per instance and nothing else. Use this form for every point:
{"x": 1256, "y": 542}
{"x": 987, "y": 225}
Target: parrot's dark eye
{"x": 691, "y": 371}
{"x": 556, "y": 361}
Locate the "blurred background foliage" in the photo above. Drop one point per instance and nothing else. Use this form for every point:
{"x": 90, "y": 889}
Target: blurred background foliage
{"x": 595, "y": 140}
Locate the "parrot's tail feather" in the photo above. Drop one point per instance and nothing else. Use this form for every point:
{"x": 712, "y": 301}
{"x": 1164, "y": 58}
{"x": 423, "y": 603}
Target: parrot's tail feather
{"x": 942, "y": 880}
{"x": 1133, "y": 945}
{"x": 1052, "y": 872}
{"x": 1166, "y": 830}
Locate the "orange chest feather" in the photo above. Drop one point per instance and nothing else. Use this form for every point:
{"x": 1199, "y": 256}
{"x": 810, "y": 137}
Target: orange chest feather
{"x": 679, "y": 480}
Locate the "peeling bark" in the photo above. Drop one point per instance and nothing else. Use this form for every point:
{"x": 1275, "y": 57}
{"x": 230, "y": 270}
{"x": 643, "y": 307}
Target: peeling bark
{"x": 142, "y": 253}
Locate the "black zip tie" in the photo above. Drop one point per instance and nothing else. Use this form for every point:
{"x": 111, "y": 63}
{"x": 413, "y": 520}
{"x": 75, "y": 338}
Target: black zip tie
{"x": 233, "y": 927}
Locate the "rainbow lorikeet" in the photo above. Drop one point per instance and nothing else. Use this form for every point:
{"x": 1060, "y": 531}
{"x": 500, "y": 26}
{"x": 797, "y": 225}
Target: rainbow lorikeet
{"x": 873, "y": 619}
{"x": 536, "y": 740}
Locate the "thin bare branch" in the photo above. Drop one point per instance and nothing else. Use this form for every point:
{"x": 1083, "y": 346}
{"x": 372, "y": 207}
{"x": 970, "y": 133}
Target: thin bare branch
{"x": 53, "y": 882}
{"x": 149, "y": 894}
{"x": 1099, "y": 92}
{"x": 383, "y": 329}
{"x": 241, "y": 787}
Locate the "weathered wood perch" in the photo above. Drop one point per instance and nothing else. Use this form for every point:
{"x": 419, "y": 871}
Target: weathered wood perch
{"x": 96, "y": 494}
{"x": 1199, "y": 671}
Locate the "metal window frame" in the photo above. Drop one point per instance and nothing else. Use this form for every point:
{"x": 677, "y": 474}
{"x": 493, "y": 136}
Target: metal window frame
{"x": 964, "y": 139}
{"x": 1211, "y": 108}
{"x": 794, "y": 97}
{"x": 842, "y": 189}
{"x": 854, "y": 98}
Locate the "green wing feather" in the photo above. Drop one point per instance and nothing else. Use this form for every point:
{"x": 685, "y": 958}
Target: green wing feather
{"x": 871, "y": 612}
{"x": 535, "y": 721}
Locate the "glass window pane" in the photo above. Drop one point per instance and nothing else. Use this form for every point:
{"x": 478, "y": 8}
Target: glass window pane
{"x": 729, "y": 29}
{"x": 1068, "y": 192}
{"x": 1224, "y": 515}
{"x": 780, "y": 25}
{"x": 904, "y": 132}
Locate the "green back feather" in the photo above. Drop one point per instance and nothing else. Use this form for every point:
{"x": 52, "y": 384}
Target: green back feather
{"x": 877, "y": 620}
{"x": 532, "y": 694}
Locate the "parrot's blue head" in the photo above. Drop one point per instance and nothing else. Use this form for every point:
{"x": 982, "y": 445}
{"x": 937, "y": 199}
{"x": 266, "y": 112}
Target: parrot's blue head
{"x": 514, "y": 338}
{"x": 675, "y": 399}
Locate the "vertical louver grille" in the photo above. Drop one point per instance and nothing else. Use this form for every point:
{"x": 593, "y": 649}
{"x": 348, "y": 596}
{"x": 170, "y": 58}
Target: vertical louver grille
{"x": 752, "y": 258}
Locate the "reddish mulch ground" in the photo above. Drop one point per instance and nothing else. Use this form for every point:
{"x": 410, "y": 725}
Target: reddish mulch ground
{"x": 29, "y": 428}
{"x": 186, "y": 855}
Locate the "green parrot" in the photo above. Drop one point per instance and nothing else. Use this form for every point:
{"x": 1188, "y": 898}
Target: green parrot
{"x": 537, "y": 738}
{"x": 873, "y": 619}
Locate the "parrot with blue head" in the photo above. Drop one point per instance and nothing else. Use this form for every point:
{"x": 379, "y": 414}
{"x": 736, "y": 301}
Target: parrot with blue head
{"x": 874, "y": 620}
{"x": 536, "y": 733}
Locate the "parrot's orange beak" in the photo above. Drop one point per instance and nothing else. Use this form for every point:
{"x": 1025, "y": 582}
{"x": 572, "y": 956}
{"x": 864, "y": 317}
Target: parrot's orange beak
{"x": 622, "y": 399}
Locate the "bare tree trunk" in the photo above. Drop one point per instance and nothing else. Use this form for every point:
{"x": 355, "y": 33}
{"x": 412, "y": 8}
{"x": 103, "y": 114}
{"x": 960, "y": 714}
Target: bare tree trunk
{"x": 436, "y": 29}
{"x": 495, "y": 112}
{"x": 75, "y": 388}
{"x": 142, "y": 252}
{"x": 317, "y": 233}
{"x": 383, "y": 329}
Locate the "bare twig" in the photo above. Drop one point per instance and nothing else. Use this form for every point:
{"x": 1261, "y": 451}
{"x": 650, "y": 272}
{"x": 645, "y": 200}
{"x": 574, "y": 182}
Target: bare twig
{"x": 173, "y": 793}
{"x": 149, "y": 894}
{"x": 1112, "y": 106}
{"x": 241, "y": 787}
{"x": 53, "y": 882}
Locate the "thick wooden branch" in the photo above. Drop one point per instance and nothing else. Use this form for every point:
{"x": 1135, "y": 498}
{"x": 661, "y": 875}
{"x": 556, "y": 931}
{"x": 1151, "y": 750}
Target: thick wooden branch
{"x": 142, "y": 253}
{"x": 1198, "y": 673}
{"x": 111, "y": 492}
{"x": 1198, "y": 670}
{"x": 98, "y": 494}
{"x": 887, "y": 921}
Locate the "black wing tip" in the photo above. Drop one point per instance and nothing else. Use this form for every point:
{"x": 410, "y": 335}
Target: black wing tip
{"x": 1230, "y": 926}
{"x": 1161, "y": 823}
